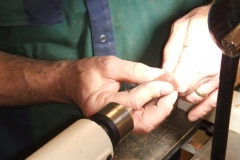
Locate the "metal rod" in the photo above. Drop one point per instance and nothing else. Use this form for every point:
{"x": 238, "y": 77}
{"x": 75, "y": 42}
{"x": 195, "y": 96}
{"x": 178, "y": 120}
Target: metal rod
{"x": 228, "y": 72}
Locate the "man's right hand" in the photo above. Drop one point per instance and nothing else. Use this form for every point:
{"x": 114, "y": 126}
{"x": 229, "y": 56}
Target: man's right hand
{"x": 90, "y": 83}
{"x": 94, "y": 82}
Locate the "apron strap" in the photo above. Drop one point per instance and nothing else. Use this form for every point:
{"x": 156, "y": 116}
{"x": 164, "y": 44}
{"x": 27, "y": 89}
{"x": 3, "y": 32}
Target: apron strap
{"x": 101, "y": 28}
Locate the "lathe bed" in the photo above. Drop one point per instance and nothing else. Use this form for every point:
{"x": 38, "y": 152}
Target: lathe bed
{"x": 161, "y": 143}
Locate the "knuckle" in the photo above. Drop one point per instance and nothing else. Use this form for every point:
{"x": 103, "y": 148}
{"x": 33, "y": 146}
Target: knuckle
{"x": 136, "y": 104}
{"x": 107, "y": 62}
{"x": 178, "y": 23}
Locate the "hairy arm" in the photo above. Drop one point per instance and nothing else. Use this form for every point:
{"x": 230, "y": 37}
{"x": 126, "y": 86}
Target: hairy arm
{"x": 91, "y": 83}
{"x": 26, "y": 81}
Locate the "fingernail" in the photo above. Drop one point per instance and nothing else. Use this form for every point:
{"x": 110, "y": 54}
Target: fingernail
{"x": 193, "y": 118}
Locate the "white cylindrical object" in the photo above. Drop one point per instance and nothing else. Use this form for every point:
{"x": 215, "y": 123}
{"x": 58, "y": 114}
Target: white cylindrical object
{"x": 82, "y": 140}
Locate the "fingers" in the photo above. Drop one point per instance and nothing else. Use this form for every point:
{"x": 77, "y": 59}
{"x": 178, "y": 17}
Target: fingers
{"x": 186, "y": 71}
{"x": 152, "y": 114}
{"x": 190, "y": 52}
{"x": 196, "y": 68}
{"x": 202, "y": 91}
{"x": 181, "y": 55}
{"x": 140, "y": 95}
{"x": 204, "y": 107}
{"x": 174, "y": 45}
{"x": 148, "y": 112}
{"x": 136, "y": 73}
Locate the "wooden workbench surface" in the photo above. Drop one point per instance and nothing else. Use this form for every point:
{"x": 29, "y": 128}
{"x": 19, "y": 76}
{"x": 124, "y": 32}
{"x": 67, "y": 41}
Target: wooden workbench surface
{"x": 162, "y": 142}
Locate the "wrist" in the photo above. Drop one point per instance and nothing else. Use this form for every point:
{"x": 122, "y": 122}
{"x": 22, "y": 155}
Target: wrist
{"x": 65, "y": 80}
{"x": 44, "y": 81}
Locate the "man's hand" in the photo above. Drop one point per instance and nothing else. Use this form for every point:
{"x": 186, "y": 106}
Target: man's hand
{"x": 194, "y": 59}
{"x": 94, "y": 82}
{"x": 90, "y": 83}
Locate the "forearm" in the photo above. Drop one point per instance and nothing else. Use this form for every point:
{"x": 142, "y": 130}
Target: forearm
{"x": 26, "y": 81}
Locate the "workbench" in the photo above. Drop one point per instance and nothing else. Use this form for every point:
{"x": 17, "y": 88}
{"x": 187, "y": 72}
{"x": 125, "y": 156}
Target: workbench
{"x": 161, "y": 143}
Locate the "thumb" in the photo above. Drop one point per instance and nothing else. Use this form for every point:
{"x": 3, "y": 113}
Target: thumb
{"x": 135, "y": 72}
